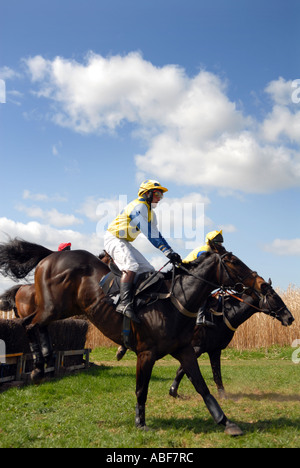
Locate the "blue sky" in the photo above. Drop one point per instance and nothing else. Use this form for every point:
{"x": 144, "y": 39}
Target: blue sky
{"x": 202, "y": 96}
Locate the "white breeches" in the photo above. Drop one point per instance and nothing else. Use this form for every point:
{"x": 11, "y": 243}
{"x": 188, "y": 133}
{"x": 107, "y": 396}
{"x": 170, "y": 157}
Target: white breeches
{"x": 126, "y": 257}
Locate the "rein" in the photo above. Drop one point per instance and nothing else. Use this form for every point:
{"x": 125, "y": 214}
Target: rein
{"x": 222, "y": 288}
{"x": 177, "y": 303}
{"x": 258, "y": 309}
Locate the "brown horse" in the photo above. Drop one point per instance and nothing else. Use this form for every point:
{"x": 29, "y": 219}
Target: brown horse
{"x": 67, "y": 284}
{"x": 21, "y": 298}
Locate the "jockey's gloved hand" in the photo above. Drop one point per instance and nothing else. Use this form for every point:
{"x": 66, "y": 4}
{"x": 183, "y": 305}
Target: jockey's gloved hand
{"x": 174, "y": 257}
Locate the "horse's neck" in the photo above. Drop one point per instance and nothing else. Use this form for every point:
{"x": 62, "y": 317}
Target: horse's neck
{"x": 192, "y": 290}
{"x": 241, "y": 312}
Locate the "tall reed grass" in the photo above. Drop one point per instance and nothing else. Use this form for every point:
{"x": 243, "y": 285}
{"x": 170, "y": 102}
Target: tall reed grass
{"x": 260, "y": 331}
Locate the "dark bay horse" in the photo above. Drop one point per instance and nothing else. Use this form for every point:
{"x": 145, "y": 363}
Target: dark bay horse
{"x": 20, "y": 299}
{"x": 67, "y": 284}
{"x": 229, "y": 312}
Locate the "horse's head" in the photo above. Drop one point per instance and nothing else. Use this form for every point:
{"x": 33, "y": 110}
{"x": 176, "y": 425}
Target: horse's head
{"x": 235, "y": 274}
{"x": 271, "y": 304}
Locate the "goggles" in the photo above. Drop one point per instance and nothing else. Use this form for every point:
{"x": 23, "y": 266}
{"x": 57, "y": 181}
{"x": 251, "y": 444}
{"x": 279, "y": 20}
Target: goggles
{"x": 158, "y": 193}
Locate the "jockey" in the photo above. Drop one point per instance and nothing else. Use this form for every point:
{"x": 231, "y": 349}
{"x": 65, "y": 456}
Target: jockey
{"x": 214, "y": 236}
{"x": 138, "y": 216}
{"x": 217, "y": 238}
{"x": 64, "y": 246}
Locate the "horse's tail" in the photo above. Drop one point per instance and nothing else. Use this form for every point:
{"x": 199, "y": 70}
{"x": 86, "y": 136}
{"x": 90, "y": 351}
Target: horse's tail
{"x": 8, "y": 300}
{"x": 19, "y": 257}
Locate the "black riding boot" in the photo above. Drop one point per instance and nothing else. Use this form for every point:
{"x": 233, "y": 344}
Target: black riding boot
{"x": 202, "y": 320}
{"x": 125, "y": 305}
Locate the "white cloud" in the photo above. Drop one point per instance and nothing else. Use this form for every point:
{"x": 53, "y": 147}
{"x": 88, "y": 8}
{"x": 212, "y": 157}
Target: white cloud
{"x": 52, "y": 217}
{"x": 284, "y": 119}
{"x": 48, "y": 236}
{"x": 284, "y": 247}
{"x": 42, "y": 197}
{"x": 7, "y": 73}
{"x": 195, "y": 134}
{"x": 228, "y": 228}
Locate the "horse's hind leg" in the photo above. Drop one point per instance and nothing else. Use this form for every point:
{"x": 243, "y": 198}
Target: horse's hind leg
{"x": 174, "y": 387}
{"x": 215, "y": 361}
{"x": 46, "y": 343}
{"x": 40, "y": 346}
{"x": 33, "y": 335}
{"x": 179, "y": 376}
{"x": 188, "y": 360}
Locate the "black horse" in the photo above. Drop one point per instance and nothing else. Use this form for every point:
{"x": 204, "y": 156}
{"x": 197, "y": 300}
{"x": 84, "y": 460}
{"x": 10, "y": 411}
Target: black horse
{"x": 228, "y": 311}
{"x": 67, "y": 284}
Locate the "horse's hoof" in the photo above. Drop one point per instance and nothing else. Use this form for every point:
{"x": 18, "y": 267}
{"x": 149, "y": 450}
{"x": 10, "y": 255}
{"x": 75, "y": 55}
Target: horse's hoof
{"x": 121, "y": 352}
{"x": 173, "y": 392}
{"x": 143, "y": 428}
{"x": 36, "y": 375}
{"x": 222, "y": 394}
{"x": 232, "y": 429}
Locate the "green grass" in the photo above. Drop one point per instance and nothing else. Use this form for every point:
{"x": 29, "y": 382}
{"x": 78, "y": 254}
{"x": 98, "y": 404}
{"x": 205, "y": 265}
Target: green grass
{"x": 95, "y": 408}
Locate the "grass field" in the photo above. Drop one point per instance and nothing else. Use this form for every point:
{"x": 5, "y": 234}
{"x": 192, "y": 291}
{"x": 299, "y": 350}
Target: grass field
{"x": 96, "y": 408}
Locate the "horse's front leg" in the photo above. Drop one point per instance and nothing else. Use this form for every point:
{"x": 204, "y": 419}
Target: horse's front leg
{"x": 188, "y": 360}
{"x": 144, "y": 366}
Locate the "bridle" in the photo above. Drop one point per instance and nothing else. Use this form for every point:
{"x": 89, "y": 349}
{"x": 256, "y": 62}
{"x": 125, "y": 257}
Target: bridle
{"x": 237, "y": 287}
{"x": 240, "y": 288}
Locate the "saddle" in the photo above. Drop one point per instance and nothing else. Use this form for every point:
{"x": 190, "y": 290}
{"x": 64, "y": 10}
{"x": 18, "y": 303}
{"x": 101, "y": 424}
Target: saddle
{"x": 147, "y": 286}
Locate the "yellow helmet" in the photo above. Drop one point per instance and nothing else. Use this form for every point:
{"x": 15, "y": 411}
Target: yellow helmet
{"x": 150, "y": 184}
{"x": 215, "y": 236}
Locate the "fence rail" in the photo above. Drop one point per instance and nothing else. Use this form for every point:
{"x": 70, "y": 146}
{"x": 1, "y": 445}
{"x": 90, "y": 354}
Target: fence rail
{"x": 15, "y": 364}
{"x": 7, "y": 315}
